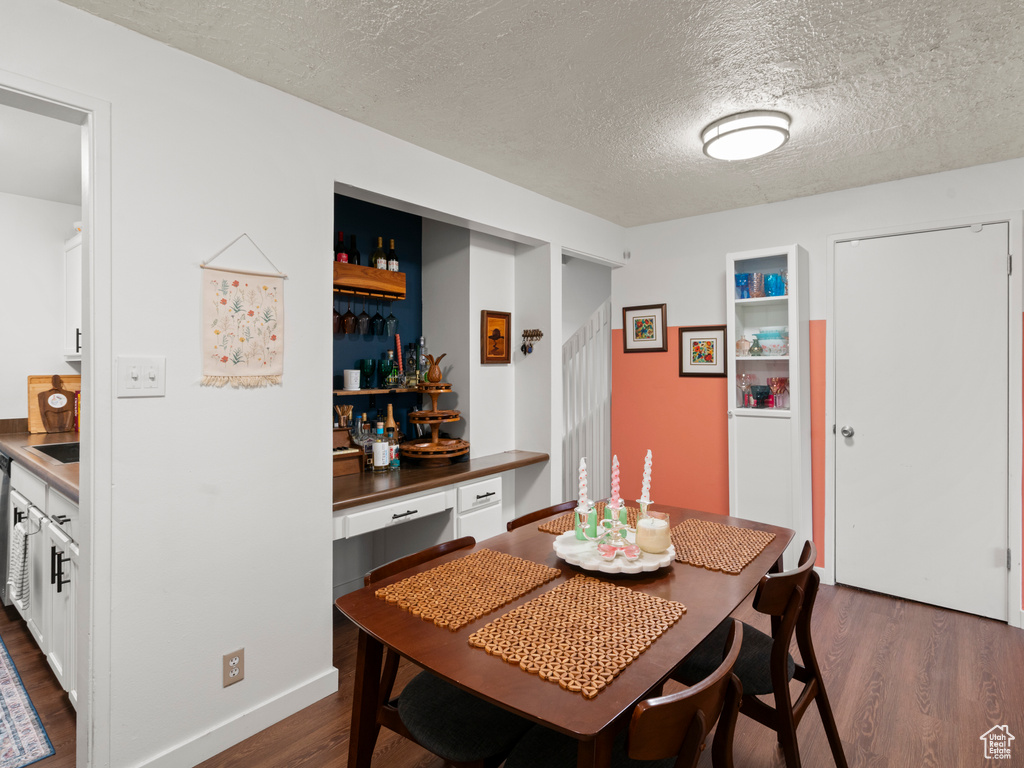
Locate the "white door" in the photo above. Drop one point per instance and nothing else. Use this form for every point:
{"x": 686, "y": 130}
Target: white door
{"x": 920, "y": 349}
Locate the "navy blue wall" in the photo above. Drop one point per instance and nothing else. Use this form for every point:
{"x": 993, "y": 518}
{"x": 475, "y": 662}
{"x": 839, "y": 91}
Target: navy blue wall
{"x": 368, "y": 222}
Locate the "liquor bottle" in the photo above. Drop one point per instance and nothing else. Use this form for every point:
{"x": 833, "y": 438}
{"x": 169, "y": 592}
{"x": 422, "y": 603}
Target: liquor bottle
{"x": 381, "y": 450}
{"x": 422, "y": 367}
{"x": 353, "y": 252}
{"x": 392, "y": 257}
{"x": 378, "y": 258}
{"x": 394, "y": 451}
{"x": 390, "y": 422}
{"x": 366, "y": 441}
{"x": 339, "y": 249}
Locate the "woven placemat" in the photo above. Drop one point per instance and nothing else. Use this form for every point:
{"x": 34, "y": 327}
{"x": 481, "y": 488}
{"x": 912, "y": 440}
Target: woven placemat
{"x": 565, "y": 522}
{"x": 459, "y": 592}
{"x": 581, "y": 634}
{"x": 718, "y": 547}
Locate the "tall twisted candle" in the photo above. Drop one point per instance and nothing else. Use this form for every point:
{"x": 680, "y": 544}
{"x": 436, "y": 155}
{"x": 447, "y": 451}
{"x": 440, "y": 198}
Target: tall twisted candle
{"x": 398, "y": 352}
{"x": 583, "y": 483}
{"x": 645, "y": 489}
{"x": 616, "y": 501}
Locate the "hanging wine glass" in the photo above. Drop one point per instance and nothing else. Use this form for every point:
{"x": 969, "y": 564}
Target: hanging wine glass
{"x": 390, "y": 323}
{"x": 348, "y": 320}
{"x": 378, "y": 321}
{"x": 364, "y": 319}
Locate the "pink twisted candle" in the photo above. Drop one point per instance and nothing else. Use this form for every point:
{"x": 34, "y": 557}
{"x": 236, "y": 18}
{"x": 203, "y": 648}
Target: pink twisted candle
{"x": 645, "y": 490}
{"x": 616, "y": 501}
{"x": 583, "y": 483}
{"x": 398, "y": 351}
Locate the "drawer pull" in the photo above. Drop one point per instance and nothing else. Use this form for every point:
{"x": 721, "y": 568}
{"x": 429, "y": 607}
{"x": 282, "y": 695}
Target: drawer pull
{"x": 485, "y": 495}
{"x": 19, "y": 515}
{"x": 61, "y": 519}
{"x": 57, "y": 561}
{"x": 404, "y": 514}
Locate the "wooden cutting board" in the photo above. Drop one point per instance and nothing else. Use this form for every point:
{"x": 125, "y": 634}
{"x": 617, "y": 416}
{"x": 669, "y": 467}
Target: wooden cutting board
{"x": 40, "y": 384}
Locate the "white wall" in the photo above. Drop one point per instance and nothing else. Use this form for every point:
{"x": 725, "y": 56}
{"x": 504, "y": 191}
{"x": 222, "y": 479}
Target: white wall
{"x": 219, "y": 518}
{"x": 682, "y": 262}
{"x": 538, "y": 399}
{"x": 32, "y": 235}
{"x": 586, "y": 285}
{"x": 492, "y": 427}
{"x": 446, "y": 282}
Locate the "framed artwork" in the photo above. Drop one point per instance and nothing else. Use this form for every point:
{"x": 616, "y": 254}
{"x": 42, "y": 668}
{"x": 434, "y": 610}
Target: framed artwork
{"x": 643, "y": 329}
{"x": 702, "y": 350}
{"x": 495, "y": 347}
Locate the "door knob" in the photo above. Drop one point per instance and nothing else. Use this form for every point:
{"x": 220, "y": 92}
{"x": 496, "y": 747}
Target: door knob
{"x": 846, "y": 431}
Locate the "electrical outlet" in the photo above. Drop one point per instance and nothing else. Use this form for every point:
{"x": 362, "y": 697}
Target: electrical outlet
{"x": 234, "y": 667}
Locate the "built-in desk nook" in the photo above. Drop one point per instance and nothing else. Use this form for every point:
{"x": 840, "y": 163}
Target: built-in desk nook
{"x": 380, "y": 517}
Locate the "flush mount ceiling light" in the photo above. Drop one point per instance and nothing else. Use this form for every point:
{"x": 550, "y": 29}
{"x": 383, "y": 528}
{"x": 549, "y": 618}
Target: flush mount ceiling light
{"x": 745, "y": 135}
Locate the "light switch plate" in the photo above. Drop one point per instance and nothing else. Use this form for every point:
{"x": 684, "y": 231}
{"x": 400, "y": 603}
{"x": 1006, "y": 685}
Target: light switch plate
{"x": 141, "y": 376}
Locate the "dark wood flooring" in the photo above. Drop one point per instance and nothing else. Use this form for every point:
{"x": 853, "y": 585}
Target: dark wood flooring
{"x": 911, "y": 686}
{"x": 50, "y": 700}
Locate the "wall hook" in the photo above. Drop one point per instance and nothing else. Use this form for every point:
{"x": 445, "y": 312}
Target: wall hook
{"x": 529, "y": 337}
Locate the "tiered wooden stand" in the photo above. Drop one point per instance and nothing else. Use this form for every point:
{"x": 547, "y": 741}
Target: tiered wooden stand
{"x": 434, "y": 452}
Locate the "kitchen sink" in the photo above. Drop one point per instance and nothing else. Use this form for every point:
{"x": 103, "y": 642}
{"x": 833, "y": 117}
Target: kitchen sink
{"x": 61, "y": 453}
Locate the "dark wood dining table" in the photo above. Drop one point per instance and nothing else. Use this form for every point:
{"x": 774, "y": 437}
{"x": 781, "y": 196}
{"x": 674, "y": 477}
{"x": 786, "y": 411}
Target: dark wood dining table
{"x": 709, "y": 597}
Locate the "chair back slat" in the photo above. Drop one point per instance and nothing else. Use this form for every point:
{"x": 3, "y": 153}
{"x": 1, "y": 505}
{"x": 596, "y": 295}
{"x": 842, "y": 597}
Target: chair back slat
{"x": 540, "y": 514}
{"x": 775, "y": 590}
{"x": 417, "y": 558}
{"x": 678, "y": 724}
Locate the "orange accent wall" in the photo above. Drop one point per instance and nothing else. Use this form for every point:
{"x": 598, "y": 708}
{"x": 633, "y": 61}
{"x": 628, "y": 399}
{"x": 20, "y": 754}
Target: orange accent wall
{"x": 681, "y": 420}
{"x": 816, "y": 360}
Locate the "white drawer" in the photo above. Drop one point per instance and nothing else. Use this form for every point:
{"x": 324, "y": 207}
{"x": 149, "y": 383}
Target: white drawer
{"x": 29, "y": 485}
{"x": 477, "y": 495}
{"x": 394, "y": 514}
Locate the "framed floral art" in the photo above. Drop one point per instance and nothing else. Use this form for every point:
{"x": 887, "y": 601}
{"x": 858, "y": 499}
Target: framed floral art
{"x": 702, "y": 350}
{"x": 643, "y": 329}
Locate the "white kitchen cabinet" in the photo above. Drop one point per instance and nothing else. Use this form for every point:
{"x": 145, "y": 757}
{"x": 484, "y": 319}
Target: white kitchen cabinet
{"x": 52, "y": 519}
{"x": 37, "y": 614}
{"x": 770, "y": 438}
{"x": 60, "y": 605}
{"x": 73, "y": 298}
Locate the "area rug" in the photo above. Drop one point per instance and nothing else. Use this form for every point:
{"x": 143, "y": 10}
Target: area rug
{"x": 23, "y": 739}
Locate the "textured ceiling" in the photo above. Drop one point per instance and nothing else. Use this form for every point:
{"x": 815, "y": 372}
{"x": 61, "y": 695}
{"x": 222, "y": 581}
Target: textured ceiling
{"x": 599, "y": 103}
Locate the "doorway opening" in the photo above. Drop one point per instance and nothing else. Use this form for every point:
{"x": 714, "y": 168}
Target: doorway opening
{"x": 61, "y": 112}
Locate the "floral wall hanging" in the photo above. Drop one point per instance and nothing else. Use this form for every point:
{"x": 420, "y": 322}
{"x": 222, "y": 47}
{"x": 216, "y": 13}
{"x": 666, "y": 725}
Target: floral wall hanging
{"x": 243, "y": 328}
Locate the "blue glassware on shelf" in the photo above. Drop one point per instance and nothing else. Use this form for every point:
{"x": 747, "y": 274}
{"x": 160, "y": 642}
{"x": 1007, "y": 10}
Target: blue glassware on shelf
{"x": 774, "y": 285}
{"x": 742, "y": 285}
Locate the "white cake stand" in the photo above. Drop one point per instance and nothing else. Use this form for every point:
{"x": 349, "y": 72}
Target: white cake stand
{"x": 583, "y": 554}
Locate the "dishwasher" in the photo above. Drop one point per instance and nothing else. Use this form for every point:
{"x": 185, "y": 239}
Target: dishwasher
{"x": 5, "y": 524}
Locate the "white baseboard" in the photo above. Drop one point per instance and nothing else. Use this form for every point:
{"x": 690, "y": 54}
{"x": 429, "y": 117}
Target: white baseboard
{"x": 246, "y": 724}
{"x": 825, "y": 575}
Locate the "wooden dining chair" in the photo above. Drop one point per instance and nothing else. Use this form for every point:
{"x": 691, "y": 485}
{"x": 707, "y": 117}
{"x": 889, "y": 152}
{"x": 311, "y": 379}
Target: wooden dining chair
{"x": 664, "y": 732}
{"x": 458, "y": 727}
{"x": 765, "y": 665}
{"x": 540, "y": 514}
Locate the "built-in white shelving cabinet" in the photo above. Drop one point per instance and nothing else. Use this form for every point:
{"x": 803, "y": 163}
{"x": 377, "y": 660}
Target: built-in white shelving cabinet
{"x": 770, "y": 437}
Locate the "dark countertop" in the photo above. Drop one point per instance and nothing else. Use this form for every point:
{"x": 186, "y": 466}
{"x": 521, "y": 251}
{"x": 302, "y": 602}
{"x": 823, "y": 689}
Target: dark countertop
{"x": 63, "y": 477}
{"x": 365, "y": 487}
